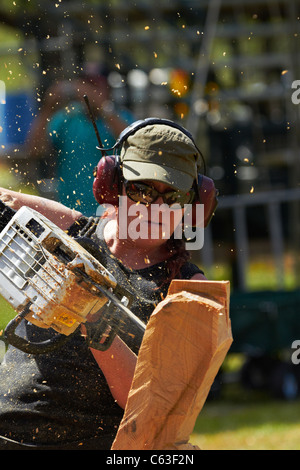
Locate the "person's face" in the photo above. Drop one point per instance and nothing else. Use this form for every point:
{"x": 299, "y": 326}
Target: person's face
{"x": 156, "y": 220}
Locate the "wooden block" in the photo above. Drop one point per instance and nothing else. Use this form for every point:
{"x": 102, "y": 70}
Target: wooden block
{"x": 185, "y": 343}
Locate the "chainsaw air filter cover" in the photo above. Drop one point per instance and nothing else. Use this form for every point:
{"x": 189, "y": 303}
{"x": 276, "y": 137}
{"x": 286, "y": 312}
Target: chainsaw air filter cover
{"x": 41, "y": 269}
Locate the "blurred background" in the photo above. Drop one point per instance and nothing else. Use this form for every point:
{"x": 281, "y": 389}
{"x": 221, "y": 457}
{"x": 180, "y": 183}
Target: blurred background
{"x": 228, "y": 71}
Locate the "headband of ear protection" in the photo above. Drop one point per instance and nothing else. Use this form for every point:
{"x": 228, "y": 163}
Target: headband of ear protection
{"x": 108, "y": 177}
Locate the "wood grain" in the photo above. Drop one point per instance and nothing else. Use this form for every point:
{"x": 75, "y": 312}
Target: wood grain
{"x": 185, "y": 343}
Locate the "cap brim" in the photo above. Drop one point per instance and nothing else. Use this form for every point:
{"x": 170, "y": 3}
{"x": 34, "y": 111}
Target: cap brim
{"x": 164, "y": 174}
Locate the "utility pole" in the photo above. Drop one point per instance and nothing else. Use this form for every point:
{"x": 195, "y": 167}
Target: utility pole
{"x": 203, "y": 62}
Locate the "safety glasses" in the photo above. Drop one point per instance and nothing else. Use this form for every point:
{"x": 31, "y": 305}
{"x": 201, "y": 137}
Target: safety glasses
{"x": 145, "y": 194}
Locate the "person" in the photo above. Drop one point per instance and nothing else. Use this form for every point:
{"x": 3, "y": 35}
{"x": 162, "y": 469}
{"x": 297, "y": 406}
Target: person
{"x": 63, "y": 132}
{"x": 74, "y": 398}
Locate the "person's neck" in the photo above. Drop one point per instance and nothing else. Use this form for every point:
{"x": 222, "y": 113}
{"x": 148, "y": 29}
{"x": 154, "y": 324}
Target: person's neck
{"x": 134, "y": 254}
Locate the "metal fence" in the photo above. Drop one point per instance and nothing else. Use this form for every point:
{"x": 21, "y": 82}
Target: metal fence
{"x": 239, "y": 205}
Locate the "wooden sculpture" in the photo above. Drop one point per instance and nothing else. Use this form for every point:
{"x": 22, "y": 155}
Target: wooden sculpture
{"x": 185, "y": 343}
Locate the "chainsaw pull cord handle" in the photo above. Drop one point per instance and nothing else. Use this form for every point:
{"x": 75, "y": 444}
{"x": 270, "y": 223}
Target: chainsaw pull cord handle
{"x": 30, "y": 347}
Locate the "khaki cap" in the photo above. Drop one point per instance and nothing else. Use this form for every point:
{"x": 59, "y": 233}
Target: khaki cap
{"x": 161, "y": 153}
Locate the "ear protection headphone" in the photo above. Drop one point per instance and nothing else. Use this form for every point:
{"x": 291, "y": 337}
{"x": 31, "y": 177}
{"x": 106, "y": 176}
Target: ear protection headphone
{"x": 108, "y": 175}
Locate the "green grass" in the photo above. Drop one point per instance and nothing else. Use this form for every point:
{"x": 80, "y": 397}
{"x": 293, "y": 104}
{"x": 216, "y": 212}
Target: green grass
{"x": 6, "y": 314}
{"x": 243, "y": 419}
{"x": 255, "y": 425}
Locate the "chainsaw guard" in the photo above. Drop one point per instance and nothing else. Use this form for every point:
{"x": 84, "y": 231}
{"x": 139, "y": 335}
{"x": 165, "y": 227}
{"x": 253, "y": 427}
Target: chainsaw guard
{"x": 30, "y": 347}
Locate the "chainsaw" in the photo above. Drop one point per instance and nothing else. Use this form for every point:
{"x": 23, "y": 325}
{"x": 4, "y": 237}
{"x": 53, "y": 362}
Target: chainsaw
{"x": 53, "y": 281}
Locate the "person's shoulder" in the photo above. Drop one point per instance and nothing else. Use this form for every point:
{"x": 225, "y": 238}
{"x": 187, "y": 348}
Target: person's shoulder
{"x": 198, "y": 277}
{"x": 56, "y": 122}
{"x": 61, "y": 120}
{"x": 191, "y": 271}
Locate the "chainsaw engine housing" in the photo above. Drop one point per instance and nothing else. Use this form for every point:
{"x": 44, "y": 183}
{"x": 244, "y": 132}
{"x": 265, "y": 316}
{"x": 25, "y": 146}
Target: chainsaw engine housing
{"x": 47, "y": 272}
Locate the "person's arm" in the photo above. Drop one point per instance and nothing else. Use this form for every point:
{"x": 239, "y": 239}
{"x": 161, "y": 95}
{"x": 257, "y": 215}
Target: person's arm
{"x": 117, "y": 364}
{"x": 59, "y": 214}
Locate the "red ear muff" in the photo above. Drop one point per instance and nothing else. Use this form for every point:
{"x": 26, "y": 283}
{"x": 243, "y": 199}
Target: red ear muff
{"x": 208, "y": 196}
{"x": 106, "y": 181}
{"x": 106, "y": 189}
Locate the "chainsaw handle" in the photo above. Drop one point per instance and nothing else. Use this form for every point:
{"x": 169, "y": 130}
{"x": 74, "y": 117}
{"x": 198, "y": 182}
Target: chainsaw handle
{"x": 30, "y": 347}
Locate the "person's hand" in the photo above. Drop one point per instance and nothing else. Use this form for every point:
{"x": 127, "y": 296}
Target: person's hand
{"x": 8, "y": 199}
